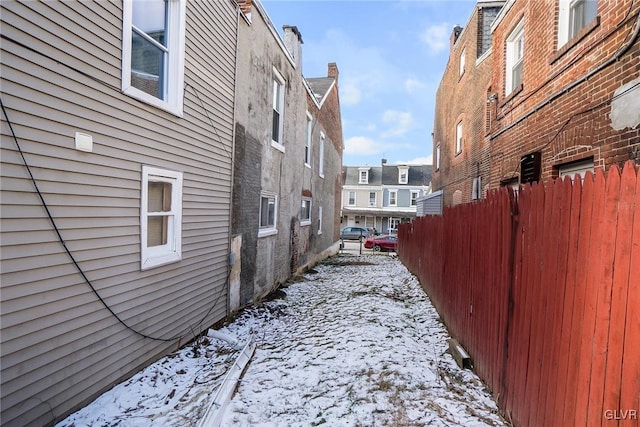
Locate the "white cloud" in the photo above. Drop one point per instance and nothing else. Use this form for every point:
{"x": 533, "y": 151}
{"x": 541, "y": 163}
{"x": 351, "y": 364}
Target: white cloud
{"x": 427, "y": 160}
{"x": 350, "y": 93}
{"x": 412, "y": 85}
{"x": 362, "y": 145}
{"x": 436, "y": 37}
{"x": 401, "y": 122}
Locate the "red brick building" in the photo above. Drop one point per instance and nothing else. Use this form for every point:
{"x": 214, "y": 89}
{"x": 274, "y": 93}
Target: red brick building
{"x": 563, "y": 95}
{"x": 461, "y": 146}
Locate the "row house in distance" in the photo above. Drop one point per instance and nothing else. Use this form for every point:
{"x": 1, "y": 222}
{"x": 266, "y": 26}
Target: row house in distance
{"x": 287, "y": 160}
{"x": 117, "y": 141}
{"x": 564, "y": 92}
{"x": 383, "y": 196}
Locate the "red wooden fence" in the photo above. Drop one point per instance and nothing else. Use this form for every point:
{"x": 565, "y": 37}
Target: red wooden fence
{"x": 543, "y": 290}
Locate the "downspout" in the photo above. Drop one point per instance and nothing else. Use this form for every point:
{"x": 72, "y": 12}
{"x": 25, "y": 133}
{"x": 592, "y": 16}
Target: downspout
{"x": 575, "y": 83}
{"x": 231, "y": 259}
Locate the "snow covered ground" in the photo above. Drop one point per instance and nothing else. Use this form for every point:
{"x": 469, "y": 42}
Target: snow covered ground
{"x": 355, "y": 342}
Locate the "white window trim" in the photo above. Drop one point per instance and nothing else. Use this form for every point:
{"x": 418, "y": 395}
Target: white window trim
{"x": 366, "y": 176}
{"x": 306, "y": 221}
{"x": 459, "y": 130}
{"x": 307, "y": 160}
{"x": 321, "y": 156}
{"x": 437, "y": 157}
{"x": 406, "y": 177}
{"x": 268, "y": 230}
{"x": 396, "y": 193}
{"x": 279, "y": 145}
{"x": 172, "y": 251}
{"x": 515, "y": 35}
{"x": 319, "y": 220}
{"x": 412, "y": 199}
{"x": 375, "y": 199}
{"x": 355, "y": 198}
{"x": 462, "y": 61}
{"x": 175, "y": 69}
{"x": 564, "y": 21}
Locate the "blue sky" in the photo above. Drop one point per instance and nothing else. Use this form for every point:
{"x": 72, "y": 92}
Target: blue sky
{"x": 390, "y": 55}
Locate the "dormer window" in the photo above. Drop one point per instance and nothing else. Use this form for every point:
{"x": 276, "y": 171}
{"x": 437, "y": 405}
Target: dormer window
{"x": 364, "y": 176}
{"x": 403, "y": 174}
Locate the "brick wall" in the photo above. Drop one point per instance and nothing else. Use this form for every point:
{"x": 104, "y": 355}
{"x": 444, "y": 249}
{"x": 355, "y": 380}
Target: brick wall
{"x": 463, "y": 99}
{"x": 564, "y": 125}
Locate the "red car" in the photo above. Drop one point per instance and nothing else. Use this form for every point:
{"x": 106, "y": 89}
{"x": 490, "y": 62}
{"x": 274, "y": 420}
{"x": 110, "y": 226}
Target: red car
{"x": 381, "y": 243}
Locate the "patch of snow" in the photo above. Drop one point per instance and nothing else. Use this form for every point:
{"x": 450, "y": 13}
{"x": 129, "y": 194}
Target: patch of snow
{"x": 357, "y": 342}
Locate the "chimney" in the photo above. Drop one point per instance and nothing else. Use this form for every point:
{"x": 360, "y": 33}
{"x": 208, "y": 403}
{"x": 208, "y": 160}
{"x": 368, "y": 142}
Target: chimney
{"x": 333, "y": 70}
{"x": 245, "y": 6}
{"x": 384, "y": 162}
{"x": 293, "y": 42}
{"x": 454, "y": 36}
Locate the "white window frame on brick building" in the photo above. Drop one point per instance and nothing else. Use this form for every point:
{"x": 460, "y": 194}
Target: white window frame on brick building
{"x": 573, "y": 15}
{"x": 515, "y": 59}
{"x": 462, "y": 61}
{"x": 159, "y": 28}
{"x": 277, "y": 128}
{"x": 160, "y": 217}
{"x": 438, "y": 157}
{"x": 268, "y": 216}
{"x": 459, "y": 138}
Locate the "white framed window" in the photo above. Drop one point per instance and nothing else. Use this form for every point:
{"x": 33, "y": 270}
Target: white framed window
{"x": 307, "y": 145}
{"x": 277, "y": 129}
{"x": 320, "y": 220}
{"x": 462, "y": 62}
{"x": 305, "y": 212}
{"x": 414, "y": 198}
{"x": 268, "y": 214}
{"x": 515, "y": 56}
{"x": 321, "y": 156}
{"x": 364, "y": 176}
{"x": 438, "y": 157}
{"x": 153, "y": 34}
{"x": 403, "y": 175}
{"x": 459, "y": 138}
{"x": 573, "y": 15}
{"x": 352, "y": 198}
{"x": 393, "y": 197}
{"x": 372, "y": 198}
{"x": 160, "y": 217}
{"x": 575, "y": 169}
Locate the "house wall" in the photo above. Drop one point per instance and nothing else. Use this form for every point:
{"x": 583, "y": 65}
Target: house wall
{"x": 61, "y": 73}
{"x": 464, "y": 99}
{"x": 268, "y": 261}
{"x": 566, "y": 125}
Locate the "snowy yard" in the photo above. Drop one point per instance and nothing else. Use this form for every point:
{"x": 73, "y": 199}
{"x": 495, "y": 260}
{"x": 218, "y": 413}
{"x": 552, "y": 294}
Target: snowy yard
{"x": 355, "y": 342}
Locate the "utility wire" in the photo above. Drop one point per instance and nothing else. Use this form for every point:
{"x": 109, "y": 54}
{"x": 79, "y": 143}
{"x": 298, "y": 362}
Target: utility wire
{"x": 73, "y": 260}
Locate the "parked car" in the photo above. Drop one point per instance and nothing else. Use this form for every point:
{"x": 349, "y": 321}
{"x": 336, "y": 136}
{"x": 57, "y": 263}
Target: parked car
{"x": 354, "y": 233}
{"x": 382, "y": 243}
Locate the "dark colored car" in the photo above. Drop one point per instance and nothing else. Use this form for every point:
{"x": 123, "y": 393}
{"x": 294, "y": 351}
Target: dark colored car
{"x": 354, "y": 233}
{"x": 382, "y": 243}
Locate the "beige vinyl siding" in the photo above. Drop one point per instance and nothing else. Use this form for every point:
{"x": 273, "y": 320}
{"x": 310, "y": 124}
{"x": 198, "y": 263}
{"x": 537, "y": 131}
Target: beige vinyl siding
{"x": 60, "y": 346}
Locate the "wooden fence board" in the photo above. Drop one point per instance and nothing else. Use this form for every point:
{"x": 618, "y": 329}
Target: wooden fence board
{"x": 622, "y": 264}
{"x": 571, "y": 301}
{"x": 630, "y": 381}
